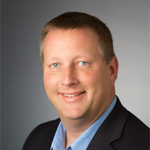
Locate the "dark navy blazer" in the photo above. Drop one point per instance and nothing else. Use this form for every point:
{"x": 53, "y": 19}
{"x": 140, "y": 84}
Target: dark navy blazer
{"x": 120, "y": 131}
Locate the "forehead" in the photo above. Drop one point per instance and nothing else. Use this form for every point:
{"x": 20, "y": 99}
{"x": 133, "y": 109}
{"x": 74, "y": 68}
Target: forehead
{"x": 71, "y": 43}
{"x": 80, "y": 34}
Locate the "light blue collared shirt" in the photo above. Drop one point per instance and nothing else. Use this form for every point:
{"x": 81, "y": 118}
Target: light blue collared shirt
{"x": 82, "y": 142}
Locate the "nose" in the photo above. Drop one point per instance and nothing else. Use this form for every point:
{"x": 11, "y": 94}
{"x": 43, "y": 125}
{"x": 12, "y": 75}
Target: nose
{"x": 69, "y": 77}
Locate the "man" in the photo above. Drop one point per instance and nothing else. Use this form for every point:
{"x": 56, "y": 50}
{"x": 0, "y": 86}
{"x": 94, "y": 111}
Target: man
{"x": 79, "y": 72}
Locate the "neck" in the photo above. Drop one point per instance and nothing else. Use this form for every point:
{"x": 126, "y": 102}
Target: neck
{"x": 74, "y": 128}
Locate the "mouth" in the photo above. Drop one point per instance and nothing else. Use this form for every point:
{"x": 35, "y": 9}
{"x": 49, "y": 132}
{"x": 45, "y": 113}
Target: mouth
{"x": 73, "y": 95}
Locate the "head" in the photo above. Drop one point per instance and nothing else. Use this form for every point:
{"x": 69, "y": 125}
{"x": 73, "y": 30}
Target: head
{"x": 77, "y": 20}
{"x": 79, "y": 66}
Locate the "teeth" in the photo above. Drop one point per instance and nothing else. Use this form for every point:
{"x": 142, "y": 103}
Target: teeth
{"x": 72, "y": 95}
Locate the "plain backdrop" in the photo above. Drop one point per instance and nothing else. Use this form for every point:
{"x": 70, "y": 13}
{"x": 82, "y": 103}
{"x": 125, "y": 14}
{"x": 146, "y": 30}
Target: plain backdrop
{"x": 24, "y": 103}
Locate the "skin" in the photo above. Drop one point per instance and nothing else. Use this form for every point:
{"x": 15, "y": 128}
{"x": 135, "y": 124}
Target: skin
{"x": 73, "y": 65}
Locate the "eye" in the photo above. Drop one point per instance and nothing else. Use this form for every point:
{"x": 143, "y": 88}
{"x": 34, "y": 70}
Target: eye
{"x": 55, "y": 65}
{"x": 82, "y": 63}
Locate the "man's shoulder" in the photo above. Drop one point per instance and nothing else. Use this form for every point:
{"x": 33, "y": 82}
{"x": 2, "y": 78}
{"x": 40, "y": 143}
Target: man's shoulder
{"x": 134, "y": 133}
{"x": 136, "y": 130}
{"x": 39, "y": 136}
{"x": 129, "y": 118}
{"x": 132, "y": 123}
{"x": 124, "y": 130}
{"x": 135, "y": 123}
{"x": 50, "y": 125}
{"x": 46, "y": 127}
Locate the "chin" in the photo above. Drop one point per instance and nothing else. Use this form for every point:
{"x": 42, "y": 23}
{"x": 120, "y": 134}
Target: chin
{"x": 74, "y": 115}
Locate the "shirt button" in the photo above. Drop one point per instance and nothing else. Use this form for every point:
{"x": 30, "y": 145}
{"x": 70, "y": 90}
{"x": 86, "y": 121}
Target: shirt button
{"x": 69, "y": 148}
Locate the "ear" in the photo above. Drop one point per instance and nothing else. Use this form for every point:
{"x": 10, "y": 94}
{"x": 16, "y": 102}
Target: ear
{"x": 113, "y": 69}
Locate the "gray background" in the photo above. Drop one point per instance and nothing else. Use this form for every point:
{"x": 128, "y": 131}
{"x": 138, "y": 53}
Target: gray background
{"x": 24, "y": 103}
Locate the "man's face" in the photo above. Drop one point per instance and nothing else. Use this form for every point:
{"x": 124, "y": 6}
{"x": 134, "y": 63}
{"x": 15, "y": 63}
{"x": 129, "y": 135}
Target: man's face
{"x": 76, "y": 80}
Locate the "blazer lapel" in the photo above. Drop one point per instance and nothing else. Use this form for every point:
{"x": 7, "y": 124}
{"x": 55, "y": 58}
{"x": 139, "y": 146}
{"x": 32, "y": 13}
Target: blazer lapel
{"x": 110, "y": 130}
{"x": 99, "y": 143}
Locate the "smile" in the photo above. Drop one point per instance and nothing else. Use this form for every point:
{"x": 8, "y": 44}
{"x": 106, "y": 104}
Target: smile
{"x": 73, "y": 95}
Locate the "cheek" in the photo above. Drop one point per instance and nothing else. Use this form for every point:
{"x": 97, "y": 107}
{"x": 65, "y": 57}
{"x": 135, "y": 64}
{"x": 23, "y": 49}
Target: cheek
{"x": 96, "y": 80}
{"x": 90, "y": 78}
{"x": 50, "y": 81}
